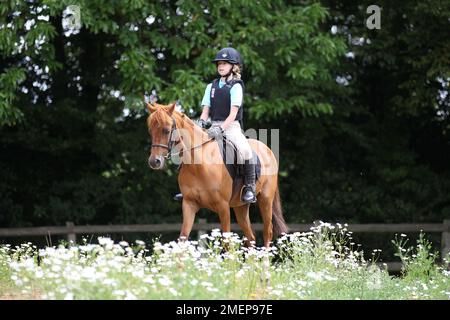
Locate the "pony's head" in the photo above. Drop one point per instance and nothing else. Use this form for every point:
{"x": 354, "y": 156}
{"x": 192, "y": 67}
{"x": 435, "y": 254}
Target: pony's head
{"x": 161, "y": 127}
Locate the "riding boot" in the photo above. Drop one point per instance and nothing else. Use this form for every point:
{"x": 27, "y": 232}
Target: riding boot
{"x": 178, "y": 196}
{"x": 249, "y": 192}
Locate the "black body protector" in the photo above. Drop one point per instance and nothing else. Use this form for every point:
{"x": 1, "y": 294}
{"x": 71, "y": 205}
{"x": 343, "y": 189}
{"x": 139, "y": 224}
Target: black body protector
{"x": 221, "y": 101}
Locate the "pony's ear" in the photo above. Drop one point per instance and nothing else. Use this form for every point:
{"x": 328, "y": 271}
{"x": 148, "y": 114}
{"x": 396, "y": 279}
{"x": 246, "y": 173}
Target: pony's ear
{"x": 151, "y": 108}
{"x": 171, "y": 108}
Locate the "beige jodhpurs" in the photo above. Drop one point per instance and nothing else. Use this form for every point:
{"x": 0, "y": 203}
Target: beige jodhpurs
{"x": 235, "y": 134}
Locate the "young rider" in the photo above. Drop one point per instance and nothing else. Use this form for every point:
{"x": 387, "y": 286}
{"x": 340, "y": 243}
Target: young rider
{"x": 223, "y": 101}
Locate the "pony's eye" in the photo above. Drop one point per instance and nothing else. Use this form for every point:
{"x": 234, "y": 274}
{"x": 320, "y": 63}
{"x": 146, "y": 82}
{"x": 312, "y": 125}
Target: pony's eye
{"x": 166, "y": 131}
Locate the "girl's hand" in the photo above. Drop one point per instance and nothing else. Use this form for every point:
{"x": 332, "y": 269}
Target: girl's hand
{"x": 215, "y": 132}
{"x": 201, "y": 123}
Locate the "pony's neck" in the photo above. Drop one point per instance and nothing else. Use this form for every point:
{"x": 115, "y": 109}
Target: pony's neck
{"x": 196, "y": 135}
{"x": 187, "y": 124}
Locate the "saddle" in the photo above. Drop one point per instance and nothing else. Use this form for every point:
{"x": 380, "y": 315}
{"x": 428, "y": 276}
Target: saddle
{"x": 235, "y": 163}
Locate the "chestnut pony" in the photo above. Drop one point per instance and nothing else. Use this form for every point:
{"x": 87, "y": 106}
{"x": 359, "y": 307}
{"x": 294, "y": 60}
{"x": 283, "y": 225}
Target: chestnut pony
{"x": 207, "y": 184}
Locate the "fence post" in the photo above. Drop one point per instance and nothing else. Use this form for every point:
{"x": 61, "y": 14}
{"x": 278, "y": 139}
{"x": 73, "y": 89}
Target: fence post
{"x": 200, "y": 231}
{"x": 445, "y": 243}
{"x": 71, "y": 236}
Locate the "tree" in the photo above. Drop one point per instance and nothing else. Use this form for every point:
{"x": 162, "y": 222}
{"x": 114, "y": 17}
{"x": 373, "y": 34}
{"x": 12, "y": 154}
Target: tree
{"x": 382, "y": 155}
{"x": 74, "y": 141}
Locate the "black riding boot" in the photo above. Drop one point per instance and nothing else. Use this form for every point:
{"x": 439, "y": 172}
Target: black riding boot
{"x": 249, "y": 192}
{"x": 178, "y": 196}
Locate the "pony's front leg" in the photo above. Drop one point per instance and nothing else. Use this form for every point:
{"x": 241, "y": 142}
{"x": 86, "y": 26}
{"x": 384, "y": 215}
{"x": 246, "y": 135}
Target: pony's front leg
{"x": 190, "y": 208}
{"x": 224, "y": 216}
{"x": 225, "y": 223}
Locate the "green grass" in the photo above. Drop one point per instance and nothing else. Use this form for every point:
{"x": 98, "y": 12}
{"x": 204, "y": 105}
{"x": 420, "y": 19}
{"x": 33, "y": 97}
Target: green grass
{"x": 5, "y": 271}
{"x": 320, "y": 264}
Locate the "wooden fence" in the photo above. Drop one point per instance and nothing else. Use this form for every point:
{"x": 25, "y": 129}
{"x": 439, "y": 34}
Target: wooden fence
{"x": 71, "y": 230}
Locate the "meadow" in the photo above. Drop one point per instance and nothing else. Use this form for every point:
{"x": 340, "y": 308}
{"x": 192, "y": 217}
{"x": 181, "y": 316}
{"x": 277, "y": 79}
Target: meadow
{"x": 323, "y": 263}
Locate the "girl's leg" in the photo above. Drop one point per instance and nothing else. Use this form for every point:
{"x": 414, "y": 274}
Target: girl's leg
{"x": 234, "y": 133}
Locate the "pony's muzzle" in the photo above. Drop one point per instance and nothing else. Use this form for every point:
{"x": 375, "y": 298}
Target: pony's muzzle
{"x": 156, "y": 163}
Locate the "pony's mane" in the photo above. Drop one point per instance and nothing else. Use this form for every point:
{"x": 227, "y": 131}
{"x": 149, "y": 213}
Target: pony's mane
{"x": 159, "y": 116}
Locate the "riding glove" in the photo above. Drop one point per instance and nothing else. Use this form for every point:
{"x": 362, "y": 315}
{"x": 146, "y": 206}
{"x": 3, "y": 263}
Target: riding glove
{"x": 201, "y": 123}
{"x": 215, "y": 132}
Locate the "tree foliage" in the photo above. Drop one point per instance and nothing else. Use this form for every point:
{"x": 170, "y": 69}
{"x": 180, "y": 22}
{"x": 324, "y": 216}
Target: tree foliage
{"x": 363, "y": 114}
{"x": 383, "y": 156}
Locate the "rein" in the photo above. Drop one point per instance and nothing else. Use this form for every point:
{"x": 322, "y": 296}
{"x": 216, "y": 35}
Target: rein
{"x": 169, "y": 146}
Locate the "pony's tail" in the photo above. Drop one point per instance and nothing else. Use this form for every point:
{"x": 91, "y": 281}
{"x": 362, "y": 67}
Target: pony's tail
{"x": 279, "y": 225}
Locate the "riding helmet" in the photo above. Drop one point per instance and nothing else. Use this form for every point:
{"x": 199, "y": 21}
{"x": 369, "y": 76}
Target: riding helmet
{"x": 230, "y": 55}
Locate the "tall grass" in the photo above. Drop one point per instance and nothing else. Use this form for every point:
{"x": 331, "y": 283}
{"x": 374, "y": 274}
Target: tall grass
{"x": 320, "y": 264}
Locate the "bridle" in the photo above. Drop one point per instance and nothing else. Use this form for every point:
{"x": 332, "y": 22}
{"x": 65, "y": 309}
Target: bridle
{"x": 169, "y": 145}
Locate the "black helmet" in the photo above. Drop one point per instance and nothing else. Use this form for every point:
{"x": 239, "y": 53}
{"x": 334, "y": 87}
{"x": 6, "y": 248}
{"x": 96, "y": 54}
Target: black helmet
{"x": 230, "y": 55}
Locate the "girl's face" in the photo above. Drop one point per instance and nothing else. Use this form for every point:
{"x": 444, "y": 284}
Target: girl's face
{"x": 223, "y": 68}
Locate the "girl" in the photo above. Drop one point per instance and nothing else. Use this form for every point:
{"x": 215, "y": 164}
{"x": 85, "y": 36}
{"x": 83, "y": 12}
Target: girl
{"x": 223, "y": 101}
